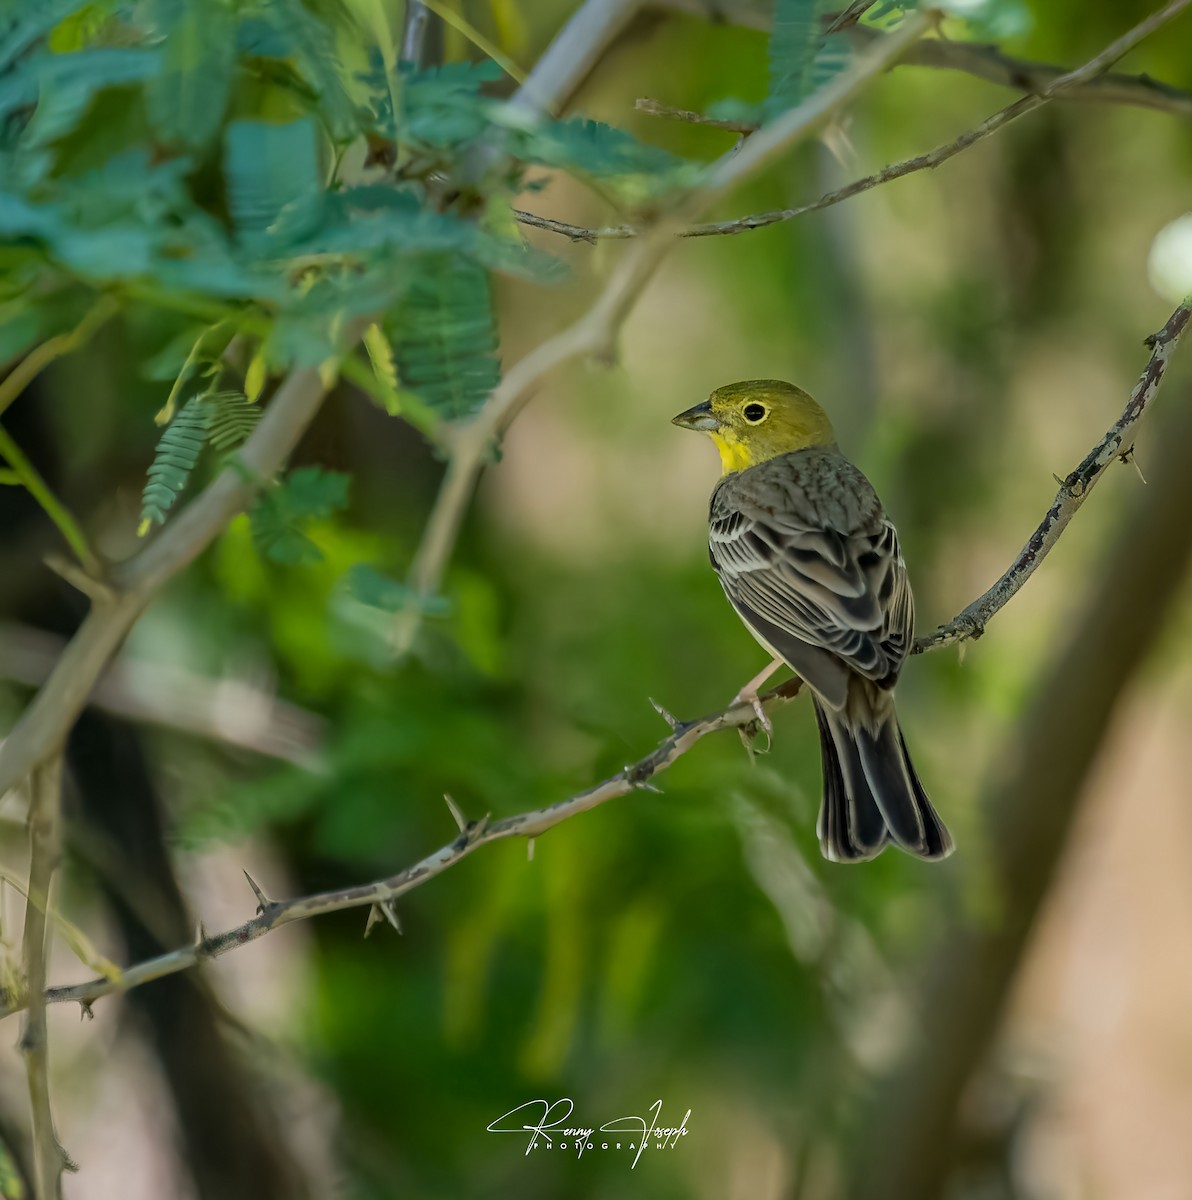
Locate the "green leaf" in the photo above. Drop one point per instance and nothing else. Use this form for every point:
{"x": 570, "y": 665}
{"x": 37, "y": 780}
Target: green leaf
{"x": 792, "y": 49}
{"x": 63, "y": 86}
{"x": 177, "y": 453}
{"x": 592, "y": 148}
{"x": 188, "y": 96}
{"x": 307, "y": 494}
{"x": 368, "y": 586}
{"x": 314, "y": 39}
{"x": 233, "y": 417}
{"x": 445, "y": 336}
{"x": 274, "y": 180}
{"x": 444, "y": 107}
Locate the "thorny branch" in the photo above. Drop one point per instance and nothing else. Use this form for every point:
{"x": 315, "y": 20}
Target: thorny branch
{"x": 1117, "y": 443}
{"x": 982, "y": 61}
{"x": 1056, "y": 84}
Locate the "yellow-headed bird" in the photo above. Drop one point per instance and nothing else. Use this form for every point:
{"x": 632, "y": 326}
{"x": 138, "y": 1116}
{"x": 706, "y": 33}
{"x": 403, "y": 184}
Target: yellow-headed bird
{"x": 811, "y": 563}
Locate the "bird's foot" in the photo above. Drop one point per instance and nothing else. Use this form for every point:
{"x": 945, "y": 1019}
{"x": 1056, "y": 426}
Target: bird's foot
{"x": 754, "y": 701}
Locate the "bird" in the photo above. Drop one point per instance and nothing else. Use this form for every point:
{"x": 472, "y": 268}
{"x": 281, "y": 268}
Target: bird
{"x": 811, "y": 563}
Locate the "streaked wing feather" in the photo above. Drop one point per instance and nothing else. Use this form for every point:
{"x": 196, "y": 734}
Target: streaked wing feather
{"x": 844, "y": 592}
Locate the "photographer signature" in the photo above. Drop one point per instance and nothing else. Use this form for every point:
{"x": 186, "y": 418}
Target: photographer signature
{"x": 641, "y": 1131}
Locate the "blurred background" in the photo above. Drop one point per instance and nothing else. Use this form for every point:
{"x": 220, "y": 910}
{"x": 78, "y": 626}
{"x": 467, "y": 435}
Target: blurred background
{"x": 972, "y": 331}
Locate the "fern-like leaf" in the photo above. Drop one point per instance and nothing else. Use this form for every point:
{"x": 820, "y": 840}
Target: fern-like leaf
{"x": 178, "y": 451}
{"x": 791, "y": 51}
{"x": 446, "y": 338}
{"x": 232, "y": 417}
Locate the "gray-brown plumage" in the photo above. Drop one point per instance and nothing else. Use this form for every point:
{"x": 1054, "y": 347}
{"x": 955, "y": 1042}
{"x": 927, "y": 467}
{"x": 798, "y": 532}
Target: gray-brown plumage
{"x": 810, "y": 562}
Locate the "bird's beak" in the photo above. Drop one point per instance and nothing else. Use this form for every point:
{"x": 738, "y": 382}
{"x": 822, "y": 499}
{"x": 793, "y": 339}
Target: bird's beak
{"x": 701, "y": 418}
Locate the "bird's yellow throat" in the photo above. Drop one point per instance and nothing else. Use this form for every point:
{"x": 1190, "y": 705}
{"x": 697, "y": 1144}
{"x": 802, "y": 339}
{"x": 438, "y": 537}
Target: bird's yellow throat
{"x": 735, "y": 455}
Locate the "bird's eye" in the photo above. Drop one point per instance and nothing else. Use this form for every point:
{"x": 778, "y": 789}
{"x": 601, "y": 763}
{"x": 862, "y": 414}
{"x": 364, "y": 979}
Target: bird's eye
{"x": 754, "y": 413}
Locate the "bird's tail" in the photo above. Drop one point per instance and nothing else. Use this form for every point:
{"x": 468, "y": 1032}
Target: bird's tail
{"x": 871, "y": 791}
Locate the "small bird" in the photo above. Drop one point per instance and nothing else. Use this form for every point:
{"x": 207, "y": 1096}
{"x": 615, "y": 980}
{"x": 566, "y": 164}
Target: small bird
{"x": 811, "y": 563}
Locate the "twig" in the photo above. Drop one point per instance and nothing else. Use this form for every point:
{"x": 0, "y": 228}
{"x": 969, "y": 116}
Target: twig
{"x": 49, "y": 1158}
{"x": 654, "y": 109}
{"x": 1118, "y": 442}
{"x": 230, "y": 711}
{"x": 1056, "y": 85}
{"x": 569, "y": 59}
{"x": 37, "y": 487}
{"x": 40, "y": 357}
{"x": 39, "y": 734}
{"x": 413, "y": 36}
{"x": 596, "y": 332}
{"x": 473, "y": 834}
{"x": 983, "y": 61}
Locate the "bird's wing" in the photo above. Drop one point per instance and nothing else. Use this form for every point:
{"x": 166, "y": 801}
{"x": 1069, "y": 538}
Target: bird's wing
{"x": 814, "y": 576}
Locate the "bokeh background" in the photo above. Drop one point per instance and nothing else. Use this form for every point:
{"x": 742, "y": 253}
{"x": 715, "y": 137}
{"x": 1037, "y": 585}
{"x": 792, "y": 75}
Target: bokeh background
{"x": 972, "y": 331}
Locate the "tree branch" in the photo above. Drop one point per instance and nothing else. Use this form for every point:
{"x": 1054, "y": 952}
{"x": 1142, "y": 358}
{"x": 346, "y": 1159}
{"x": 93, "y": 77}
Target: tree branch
{"x": 49, "y": 1159}
{"x": 982, "y": 61}
{"x": 1118, "y": 442}
{"x": 272, "y": 914}
{"x": 40, "y": 733}
{"x": 230, "y": 711}
{"x": 596, "y": 332}
{"x": 1056, "y": 85}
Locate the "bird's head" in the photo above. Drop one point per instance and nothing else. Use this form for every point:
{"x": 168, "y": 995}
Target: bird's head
{"x": 757, "y": 420}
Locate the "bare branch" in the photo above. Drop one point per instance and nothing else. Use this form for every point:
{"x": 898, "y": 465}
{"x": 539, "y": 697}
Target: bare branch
{"x": 231, "y": 711}
{"x": 596, "y": 332}
{"x": 1056, "y": 85}
{"x": 413, "y": 34}
{"x": 49, "y": 1159}
{"x": 275, "y": 913}
{"x": 1118, "y": 442}
{"x": 572, "y": 55}
{"x": 983, "y": 61}
{"x": 654, "y": 109}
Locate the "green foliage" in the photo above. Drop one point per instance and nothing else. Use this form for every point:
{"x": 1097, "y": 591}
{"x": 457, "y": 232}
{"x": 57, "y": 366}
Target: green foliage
{"x": 275, "y": 186}
{"x": 445, "y": 336}
{"x": 280, "y": 516}
{"x": 177, "y": 454}
{"x": 368, "y": 586}
{"x": 221, "y": 420}
{"x": 189, "y": 95}
{"x": 233, "y": 418}
{"x": 793, "y": 44}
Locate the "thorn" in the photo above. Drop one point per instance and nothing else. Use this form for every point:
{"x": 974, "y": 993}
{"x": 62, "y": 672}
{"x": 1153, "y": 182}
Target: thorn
{"x": 668, "y": 717}
{"x": 1130, "y": 457}
{"x": 263, "y": 901}
{"x": 530, "y": 849}
{"x": 200, "y": 934}
{"x": 86, "y": 1011}
{"x": 1057, "y": 479}
{"x": 455, "y": 812}
{"x": 382, "y": 910}
{"x": 646, "y": 786}
{"x": 390, "y": 911}
{"x": 961, "y": 649}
